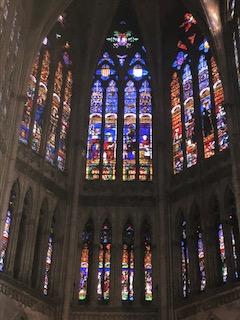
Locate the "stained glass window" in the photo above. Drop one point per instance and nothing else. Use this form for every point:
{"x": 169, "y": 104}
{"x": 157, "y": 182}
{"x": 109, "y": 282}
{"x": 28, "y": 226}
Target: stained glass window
{"x": 41, "y": 102}
{"x": 28, "y": 107}
{"x": 66, "y": 112}
{"x": 121, "y": 147}
{"x": 177, "y": 136}
{"x": 87, "y": 238}
{"x": 128, "y": 263}
{"x": 222, "y": 251}
{"x": 129, "y": 132}
{"x": 110, "y": 132}
{"x": 234, "y": 230}
{"x": 104, "y": 263}
{"x": 7, "y": 227}
{"x": 184, "y": 261}
{"x": 185, "y": 87}
{"x": 148, "y": 281}
{"x": 145, "y": 132}
{"x": 48, "y": 262}
{"x": 219, "y": 109}
{"x": 55, "y": 108}
{"x": 188, "y": 102}
{"x": 201, "y": 259}
{"x": 48, "y": 105}
{"x": 94, "y": 133}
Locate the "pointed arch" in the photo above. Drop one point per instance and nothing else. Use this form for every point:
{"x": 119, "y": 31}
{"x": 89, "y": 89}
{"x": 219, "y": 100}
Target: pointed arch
{"x": 104, "y": 262}
{"x": 38, "y": 248}
{"x": 87, "y": 239}
{"x": 12, "y": 206}
{"x": 128, "y": 262}
{"x": 147, "y": 261}
{"x": 22, "y": 233}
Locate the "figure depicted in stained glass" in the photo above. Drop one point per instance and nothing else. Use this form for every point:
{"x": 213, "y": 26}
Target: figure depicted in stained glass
{"x": 185, "y": 261}
{"x": 222, "y": 252}
{"x": 48, "y": 263}
{"x": 87, "y": 238}
{"x": 148, "y": 281}
{"x": 104, "y": 263}
{"x": 7, "y": 227}
{"x": 128, "y": 264}
{"x": 201, "y": 259}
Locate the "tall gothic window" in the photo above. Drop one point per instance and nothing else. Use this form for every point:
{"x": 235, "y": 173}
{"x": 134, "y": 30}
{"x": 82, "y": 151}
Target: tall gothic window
{"x": 104, "y": 263}
{"x": 184, "y": 260}
{"x": 48, "y": 259}
{"x": 147, "y": 262}
{"x": 201, "y": 258}
{"x": 87, "y": 238}
{"x": 48, "y": 105}
{"x": 234, "y": 234}
{"x": 128, "y": 263}
{"x": 7, "y": 225}
{"x": 120, "y": 121}
{"x": 196, "y": 96}
{"x": 222, "y": 252}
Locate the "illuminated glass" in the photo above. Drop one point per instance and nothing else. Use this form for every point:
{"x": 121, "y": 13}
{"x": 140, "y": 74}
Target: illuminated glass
{"x": 7, "y": 228}
{"x": 222, "y": 252}
{"x": 54, "y": 116}
{"x": 129, "y": 132}
{"x": 145, "y": 132}
{"x": 41, "y": 102}
{"x": 128, "y": 264}
{"x": 110, "y": 132}
{"x": 64, "y": 126}
{"x": 206, "y": 108}
{"x": 94, "y": 133}
{"x": 122, "y": 39}
{"x": 48, "y": 262}
{"x": 84, "y": 262}
{"x": 223, "y": 139}
{"x": 104, "y": 263}
{"x": 28, "y": 107}
{"x": 148, "y": 281}
{"x": 185, "y": 262}
{"x": 201, "y": 259}
{"x": 188, "y": 102}
{"x": 177, "y": 126}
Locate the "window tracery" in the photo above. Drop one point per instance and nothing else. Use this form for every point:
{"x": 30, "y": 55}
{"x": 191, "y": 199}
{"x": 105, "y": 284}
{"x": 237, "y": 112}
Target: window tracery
{"x": 193, "y": 57}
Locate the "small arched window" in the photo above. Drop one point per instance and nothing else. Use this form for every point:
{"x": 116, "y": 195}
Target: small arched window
{"x": 8, "y": 224}
{"x": 185, "y": 274}
{"x": 128, "y": 263}
{"x": 48, "y": 259}
{"x": 147, "y": 262}
{"x": 104, "y": 263}
{"x": 87, "y": 238}
{"x": 196, "y": 96}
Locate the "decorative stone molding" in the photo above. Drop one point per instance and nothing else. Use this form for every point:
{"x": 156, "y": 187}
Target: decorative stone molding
{"x": 217, "y": 300}
{"x": 25, "y": 299}
{"x": 112, "y": 316}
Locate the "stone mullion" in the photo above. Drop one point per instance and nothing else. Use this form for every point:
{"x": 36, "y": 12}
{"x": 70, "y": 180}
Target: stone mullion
{"x": 212, "y": 258}
{"x": 177, "y": 271}
{"x": 116, "y": 255}
{"x": 194, "y": 275}
{"x": 138, "y": 279}
{"x": 48, "y": 105}
{"x": 93, "y": 270}
{"x": 228, "y": 250}
{"x": 27, "y": 257}
{"x": 120, "y": 124}
{"x": 60, "y": 113}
